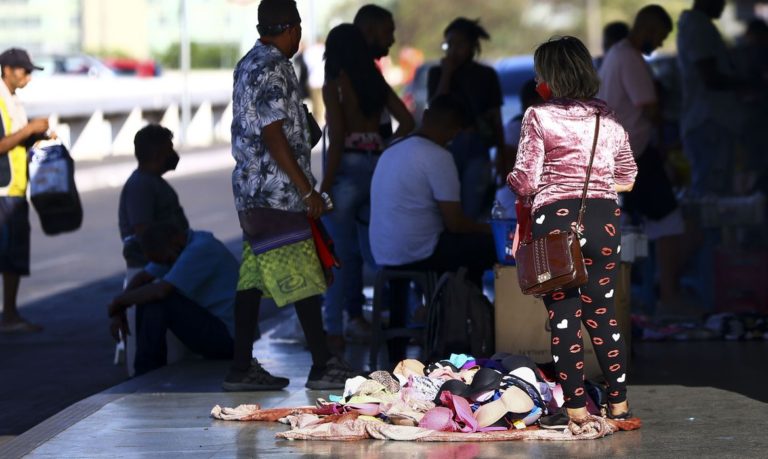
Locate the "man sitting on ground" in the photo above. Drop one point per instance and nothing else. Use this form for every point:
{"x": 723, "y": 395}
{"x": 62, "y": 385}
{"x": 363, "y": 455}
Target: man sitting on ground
{"x": 146, "y": 197}
{"x": 188, "y": 288}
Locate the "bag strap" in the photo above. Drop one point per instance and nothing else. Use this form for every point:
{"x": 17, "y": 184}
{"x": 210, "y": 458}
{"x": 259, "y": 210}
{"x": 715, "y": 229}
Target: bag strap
{"x": 589, "y": 174}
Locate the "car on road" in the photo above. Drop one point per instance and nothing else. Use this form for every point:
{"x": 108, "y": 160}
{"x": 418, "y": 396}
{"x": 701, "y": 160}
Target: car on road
{"x": 126, "y": 66}
{"x": 74, "y": 64}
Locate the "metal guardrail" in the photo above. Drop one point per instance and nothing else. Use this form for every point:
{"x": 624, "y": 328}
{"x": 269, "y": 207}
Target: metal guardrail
{"x": 98, "y": 117}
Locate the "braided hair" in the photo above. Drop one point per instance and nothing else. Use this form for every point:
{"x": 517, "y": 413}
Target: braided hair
{"x": 470, "y": 29}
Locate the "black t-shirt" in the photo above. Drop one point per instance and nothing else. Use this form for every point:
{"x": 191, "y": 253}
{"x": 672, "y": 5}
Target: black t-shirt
{"x": 147, "y": 199}
{"x": 476, "y": 85}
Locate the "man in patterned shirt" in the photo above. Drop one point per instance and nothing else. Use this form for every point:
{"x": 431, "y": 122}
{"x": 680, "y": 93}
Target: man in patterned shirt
{"x": 274, "y": 194}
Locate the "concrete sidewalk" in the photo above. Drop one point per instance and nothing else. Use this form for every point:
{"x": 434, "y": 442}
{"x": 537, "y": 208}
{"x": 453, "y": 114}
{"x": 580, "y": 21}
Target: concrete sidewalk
{"x": 166, "y": 414}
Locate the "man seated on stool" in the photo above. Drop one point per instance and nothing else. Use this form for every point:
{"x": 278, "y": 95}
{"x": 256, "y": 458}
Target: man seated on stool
{"x": 188, "y": 287}
{"x": 417, "y": 222}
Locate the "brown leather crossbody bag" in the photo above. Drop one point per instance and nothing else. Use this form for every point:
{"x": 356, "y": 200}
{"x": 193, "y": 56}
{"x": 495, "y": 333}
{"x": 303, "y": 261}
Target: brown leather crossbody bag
{"x": 554, "y": 261}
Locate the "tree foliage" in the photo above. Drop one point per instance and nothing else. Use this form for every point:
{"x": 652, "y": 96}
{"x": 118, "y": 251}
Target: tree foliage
{"x": 515, "y": 26}
{"x": 202, "y": 55}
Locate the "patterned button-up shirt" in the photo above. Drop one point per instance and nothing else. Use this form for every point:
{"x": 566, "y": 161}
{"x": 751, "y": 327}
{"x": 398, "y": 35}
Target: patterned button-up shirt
{"x": 266, "y": 90}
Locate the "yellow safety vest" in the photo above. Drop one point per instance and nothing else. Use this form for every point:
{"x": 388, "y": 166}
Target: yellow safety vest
{"x": 16, "y": 158}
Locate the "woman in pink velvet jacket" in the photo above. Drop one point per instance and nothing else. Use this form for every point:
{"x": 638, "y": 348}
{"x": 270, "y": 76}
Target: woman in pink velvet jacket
{"x": 550, "y": 170}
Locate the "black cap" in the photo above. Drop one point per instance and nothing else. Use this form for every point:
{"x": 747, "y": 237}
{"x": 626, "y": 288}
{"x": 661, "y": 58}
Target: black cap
{"x": 17, "y": 57}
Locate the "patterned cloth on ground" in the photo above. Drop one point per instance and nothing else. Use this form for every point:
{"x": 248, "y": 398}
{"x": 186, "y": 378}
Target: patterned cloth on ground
{"x": 351, "y": 426}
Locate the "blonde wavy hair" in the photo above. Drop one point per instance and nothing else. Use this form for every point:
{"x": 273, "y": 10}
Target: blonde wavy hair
{"x": 565, "y": 64}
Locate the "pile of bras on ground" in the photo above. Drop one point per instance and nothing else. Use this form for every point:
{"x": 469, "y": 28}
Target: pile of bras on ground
{"x": 501, "y": 398}
{"x": 459, "y": 394}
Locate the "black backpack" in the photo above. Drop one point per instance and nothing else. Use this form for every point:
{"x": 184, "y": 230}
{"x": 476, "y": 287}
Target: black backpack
{"x": 460, "y": 319}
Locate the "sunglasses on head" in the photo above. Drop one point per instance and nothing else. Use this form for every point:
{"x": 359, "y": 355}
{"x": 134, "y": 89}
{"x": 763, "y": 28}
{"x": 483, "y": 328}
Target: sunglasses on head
{"x": 275, "y": 29}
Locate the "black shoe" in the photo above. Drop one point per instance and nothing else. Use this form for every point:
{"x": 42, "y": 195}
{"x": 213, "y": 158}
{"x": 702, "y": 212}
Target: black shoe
{"x": 332, "y": 377}
{"x": 255, "y": 379}
{"x": 557, "y": 421}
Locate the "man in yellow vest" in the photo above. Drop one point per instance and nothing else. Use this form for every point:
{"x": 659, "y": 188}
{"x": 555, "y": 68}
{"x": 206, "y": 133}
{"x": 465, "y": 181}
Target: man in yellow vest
{"x": 16, "y": 134}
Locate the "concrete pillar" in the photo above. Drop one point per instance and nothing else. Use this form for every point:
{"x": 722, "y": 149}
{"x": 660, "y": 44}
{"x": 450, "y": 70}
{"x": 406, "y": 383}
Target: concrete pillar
{"x": 200, "y": 130}
{"x": 125, "y": 128}
{"x": 62, "y": 130}
{"x": 223, "y": 123}
{"x": 94, "y": 141}
{"x": 172, "y": 121}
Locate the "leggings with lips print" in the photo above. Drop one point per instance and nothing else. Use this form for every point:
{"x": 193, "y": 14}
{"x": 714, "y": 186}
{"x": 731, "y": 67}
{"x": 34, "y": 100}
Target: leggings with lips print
{"x": 591, "y": 304}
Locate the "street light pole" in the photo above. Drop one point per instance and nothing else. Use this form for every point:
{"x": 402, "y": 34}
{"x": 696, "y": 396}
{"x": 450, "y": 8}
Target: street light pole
{"x": 594, "y": 27}
{"x": 185, "y": 58}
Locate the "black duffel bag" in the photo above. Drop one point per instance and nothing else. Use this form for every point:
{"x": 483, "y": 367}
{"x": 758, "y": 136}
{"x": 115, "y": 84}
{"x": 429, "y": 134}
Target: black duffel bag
{"x": 52, "y": 188}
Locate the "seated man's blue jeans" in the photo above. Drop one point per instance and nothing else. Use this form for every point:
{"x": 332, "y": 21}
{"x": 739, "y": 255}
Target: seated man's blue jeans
{"x": 348, "y": 226}
{"x": 199, "y": 330}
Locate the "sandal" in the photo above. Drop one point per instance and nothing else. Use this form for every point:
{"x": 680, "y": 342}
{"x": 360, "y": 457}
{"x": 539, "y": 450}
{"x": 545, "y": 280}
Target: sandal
{"x": 618, "y": 417}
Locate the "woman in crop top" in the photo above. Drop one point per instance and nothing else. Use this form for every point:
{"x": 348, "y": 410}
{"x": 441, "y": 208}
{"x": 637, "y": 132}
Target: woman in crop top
{"x": 355, "y": 96}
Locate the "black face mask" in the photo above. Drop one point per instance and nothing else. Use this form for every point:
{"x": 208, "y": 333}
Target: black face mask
{"x": 172, "y": 161}
{"x": 647, "y": 48}
{"x": 378, "y": 51}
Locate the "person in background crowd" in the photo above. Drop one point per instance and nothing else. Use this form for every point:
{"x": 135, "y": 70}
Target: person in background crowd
{"x": 416, "y": 218}
{"x": 355, "y": 95}
{"x": 17, "y": 134}
{"x": 302, "y": 73}
{"x": 505, "y": 162}
{"x": 710, "y": 114}
{"x": 712, "y": 120}
{"x": 552, "y": 161}
{"x": 477, "y": 87}
{"x": 378, "y": 28}
{"x": 275, "y": 194}
{"x": 613, "y": 32}
{"x": 751, "y": 60}
{"x": 628, "y": 88}
{"x": 188, "y": 288}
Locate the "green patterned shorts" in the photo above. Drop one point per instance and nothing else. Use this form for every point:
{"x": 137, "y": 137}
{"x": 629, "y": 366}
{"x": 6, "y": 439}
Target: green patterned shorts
{"x": 286, "y": 274}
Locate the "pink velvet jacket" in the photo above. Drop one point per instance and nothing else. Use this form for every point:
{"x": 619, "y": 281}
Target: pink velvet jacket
{"x": 555, "y": 144}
